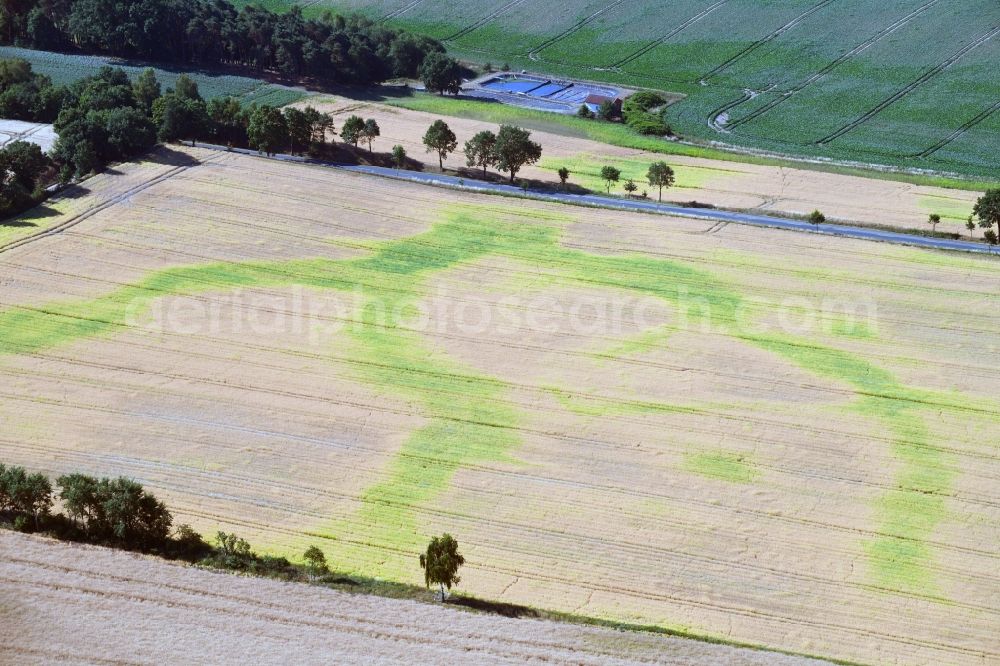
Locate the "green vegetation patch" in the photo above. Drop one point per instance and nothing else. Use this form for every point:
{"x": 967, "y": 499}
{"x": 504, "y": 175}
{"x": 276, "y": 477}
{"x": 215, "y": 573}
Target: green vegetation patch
{"x": 585, "y": 170}
{"x": 722, "y": 465}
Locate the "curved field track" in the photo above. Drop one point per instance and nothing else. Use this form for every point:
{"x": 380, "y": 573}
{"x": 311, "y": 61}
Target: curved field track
{"x": 767, "y": 437}
{"x": 61, "y": 603}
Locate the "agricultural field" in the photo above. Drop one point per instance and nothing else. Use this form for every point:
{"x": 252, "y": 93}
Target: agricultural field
{"x": 76, "y": 592}
{"x": 744, "y": 434}
{"x": 65, "y": 68}
{"x": 899, "y": 82}
{"x": 741, "y": 185}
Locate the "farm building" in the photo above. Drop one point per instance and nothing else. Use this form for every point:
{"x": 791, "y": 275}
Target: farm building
{"x": 595, "y": 101}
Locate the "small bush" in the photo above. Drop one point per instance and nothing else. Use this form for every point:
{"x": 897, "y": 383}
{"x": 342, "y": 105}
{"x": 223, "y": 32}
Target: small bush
{"x": 232, "y": 552}
{"x": 817, "y": 218}
{"x": 647, "y": 124}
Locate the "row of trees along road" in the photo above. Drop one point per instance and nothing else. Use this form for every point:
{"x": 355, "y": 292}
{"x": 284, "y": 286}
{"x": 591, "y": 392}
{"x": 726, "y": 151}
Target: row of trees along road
{"x": 509, "y": 150}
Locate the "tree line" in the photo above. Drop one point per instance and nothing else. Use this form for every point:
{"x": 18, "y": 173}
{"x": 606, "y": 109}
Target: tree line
{"x": 120, "y": 513}
{"x": 331, "y": 48}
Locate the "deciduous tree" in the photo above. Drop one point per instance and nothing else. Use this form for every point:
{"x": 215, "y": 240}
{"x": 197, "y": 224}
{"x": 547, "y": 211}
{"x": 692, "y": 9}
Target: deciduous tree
{"x": 441, "y": 140}
{"x": 661, "y": 176}
{"x": 441, "y": 563}
{"x": 514, "y": 149}
{"x": 441, "y": 74}
{"x": 610, "y": 176}
{"x": 479, "y": 150}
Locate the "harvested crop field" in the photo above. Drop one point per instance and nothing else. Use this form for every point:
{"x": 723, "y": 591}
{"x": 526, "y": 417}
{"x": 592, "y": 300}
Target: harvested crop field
{"x": 58, "y": 601}
{"x": 768, "y": 189}
{"x": 760, "y": 436}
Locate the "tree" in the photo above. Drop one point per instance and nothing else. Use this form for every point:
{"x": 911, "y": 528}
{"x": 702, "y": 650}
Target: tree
{"x": 370, "y": 131}
{"x": 970, "y": 224}
{"x": 398, "y": 156}
{"x": 441, "y": 74}
{"x": 229, "y": 120}
{"x": 232, "y": 552}
{"x": 24, "y": 496}
{"x": 440, "y": 139}
{"x": 934, "y": 220}
{"x": 118, "y": 511}
{"x": 990, "y": 237}
{"x": 315, "y": 562}
{"x": 179, "y": 117}
{"x": 441, "y": 563}
{"x": 606, "y": 110}
{"x": 146, "y": 89}
{"x": 479, "y": 150}
{"x": 353, "y": 130}
{"x": 267, "y": 130}
{"x": 563, "y": 176}
{"x": 630, "y": 187}
{"x": 585, "y": 112}
{"x": 186, "y": 88}
{"x": 610, "y": 175}
{"x": 660, "y": 175}
{"x": 300, "y": 130}
{"x": 514, "y": 149}
{"x": 817, "y": 218}
{"x": 987, "y": 210}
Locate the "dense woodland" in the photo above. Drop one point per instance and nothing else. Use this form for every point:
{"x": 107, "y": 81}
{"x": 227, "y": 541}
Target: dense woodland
{"x": 211, "y": 33}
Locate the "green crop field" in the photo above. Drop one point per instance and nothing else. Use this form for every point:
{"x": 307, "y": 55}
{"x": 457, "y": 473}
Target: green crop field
{"x": 66, "y": 68}
{"x": 902, "y": 82}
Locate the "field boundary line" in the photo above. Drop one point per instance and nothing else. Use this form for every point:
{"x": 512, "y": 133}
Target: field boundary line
{"x": 630, "y": 205}
{"x": 900, "y": 94}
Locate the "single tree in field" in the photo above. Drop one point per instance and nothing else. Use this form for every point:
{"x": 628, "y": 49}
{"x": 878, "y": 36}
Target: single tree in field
{"x": 441, "y": 140}
{"x": 660, "y": 175}
{"x": 441, "y": 562}
{"x": 934, "y": 219}
{"x": 441, "y": 74}
{"x": 563, "y": 176}
{"x": 267, "y": 130}
{"x": 817, "y": 218}
{"x": 370, "y": 131}
{"x": 479, "y": 150}
{"x": 610, "y": 176}
{"x": 353, "y": 130}
{"x": 987, "y": 210}
{"x": 398, "y": 156}
{"x": 514, "y": 149}
{"x": 630, "y": 187}
{"x": 315, "y": 562}
{"x": 970, "y": 224}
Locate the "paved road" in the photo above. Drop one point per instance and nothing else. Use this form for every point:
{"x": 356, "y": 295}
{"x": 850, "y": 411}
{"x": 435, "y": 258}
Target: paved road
{"x": 640, "y": 205}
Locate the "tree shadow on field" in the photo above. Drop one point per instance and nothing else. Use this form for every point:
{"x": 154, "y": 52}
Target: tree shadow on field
{"x": 494, "y": 607}
{"x": 171, "y": 157}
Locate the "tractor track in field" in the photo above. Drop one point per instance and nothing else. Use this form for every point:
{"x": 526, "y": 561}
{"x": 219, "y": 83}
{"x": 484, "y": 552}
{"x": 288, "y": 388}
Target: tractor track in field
{"x": 632, "y": 57}
{"x": 90, "y": 212}
{"x": 533, "y": 54}
{"x": 767, "y": 39}
{"x": 400, "y": 11}
{"x": 965, "y": 127}
{"x": 489, "y": 18}
{"x": 857, "y": 50}
{"x": 903, "y": 92}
